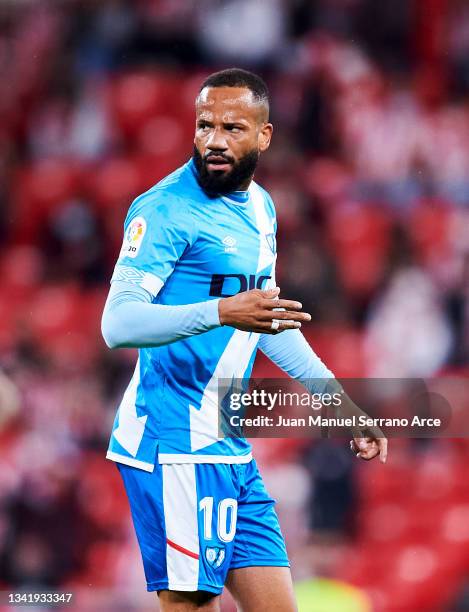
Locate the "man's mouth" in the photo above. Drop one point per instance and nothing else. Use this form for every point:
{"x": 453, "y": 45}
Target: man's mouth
{"x": 217, "y": 163}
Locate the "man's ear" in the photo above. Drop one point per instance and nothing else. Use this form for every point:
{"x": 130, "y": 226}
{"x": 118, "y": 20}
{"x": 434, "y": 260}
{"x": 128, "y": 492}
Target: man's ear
{"x": 265, "y": 136}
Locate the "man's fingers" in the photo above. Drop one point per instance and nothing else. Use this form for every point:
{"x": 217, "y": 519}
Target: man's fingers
{"x": 383, "y": 449}
{"x": 359, "y": 439}
{"x": 270, "y": 294}
{"x": 284, "y": 311}
{"x": 369, "y": 453}
{"x": 366, "y": 451}
{"x": 287, "y": 304}
{"x": 261, "y": 311}
{"x": 368, "y": 448}
{"x": 266, "y": 328}
{"x": 382, "y": 443}
{"x": 283, "y": 315}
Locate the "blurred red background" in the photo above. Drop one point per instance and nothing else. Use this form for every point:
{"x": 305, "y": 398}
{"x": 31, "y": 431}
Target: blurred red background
{"x": 369, "y": 170}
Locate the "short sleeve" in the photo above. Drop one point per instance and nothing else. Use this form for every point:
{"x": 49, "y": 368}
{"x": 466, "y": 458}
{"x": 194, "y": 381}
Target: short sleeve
{"x": 157, "y": 231}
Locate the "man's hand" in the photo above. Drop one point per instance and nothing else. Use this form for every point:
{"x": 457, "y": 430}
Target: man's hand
{"x": 370, "y": 443}
{"x": 258, "y": 311}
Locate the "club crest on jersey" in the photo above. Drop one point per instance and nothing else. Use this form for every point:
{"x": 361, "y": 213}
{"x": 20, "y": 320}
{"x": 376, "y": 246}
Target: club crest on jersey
{"x": 133, "y": 237}
{"x": 215, "y": 555}
{"x": 270, "y": 238}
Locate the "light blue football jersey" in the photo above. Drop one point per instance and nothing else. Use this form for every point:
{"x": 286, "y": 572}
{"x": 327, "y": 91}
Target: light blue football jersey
{"x": 185, "y": 247}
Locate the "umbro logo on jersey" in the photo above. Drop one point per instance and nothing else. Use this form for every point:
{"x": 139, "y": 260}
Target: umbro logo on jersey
{"x": 230, "y": 244}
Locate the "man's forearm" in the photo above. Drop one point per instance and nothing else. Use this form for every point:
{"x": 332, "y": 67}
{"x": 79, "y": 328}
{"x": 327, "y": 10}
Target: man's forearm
{"x": 131, "y": 320}
{"x": 292, "y": 353}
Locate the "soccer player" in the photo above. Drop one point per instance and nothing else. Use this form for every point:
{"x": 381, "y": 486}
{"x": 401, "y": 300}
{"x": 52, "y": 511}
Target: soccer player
{"x": 194, "y": 290}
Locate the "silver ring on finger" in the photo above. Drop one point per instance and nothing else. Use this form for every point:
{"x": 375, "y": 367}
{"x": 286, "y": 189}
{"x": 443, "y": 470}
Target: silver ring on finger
{"x": 275, "y": 324}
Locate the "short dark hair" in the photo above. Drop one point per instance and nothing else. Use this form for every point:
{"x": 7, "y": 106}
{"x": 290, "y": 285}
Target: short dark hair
{"x": 237, "y": 77}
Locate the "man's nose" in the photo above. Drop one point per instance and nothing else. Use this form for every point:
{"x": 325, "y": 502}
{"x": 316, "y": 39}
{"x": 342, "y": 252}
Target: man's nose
{"x": 216, "y": 141}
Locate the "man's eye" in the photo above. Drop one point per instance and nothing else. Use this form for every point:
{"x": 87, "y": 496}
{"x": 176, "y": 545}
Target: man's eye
{"x": 203, "y": 126}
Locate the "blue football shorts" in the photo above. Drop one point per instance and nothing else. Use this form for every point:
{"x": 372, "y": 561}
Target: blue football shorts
{"x": 195, "y": 522}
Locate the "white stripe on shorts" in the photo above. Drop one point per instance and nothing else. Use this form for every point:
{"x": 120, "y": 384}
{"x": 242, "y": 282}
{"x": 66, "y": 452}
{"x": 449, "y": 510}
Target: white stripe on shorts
{"x": 182, "y": 536}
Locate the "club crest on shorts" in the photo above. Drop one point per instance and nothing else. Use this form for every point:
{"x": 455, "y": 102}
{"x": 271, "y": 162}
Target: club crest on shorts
{"x": 215, "y": 555}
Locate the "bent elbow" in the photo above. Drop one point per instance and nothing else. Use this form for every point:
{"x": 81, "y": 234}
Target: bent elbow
{"x": 109, "y": 339}
{"x": 108, "y": 331}
{"x": 110, "y": 342}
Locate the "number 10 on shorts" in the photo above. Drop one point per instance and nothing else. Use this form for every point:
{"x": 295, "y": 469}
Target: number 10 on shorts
{"x": 226, "y": 518}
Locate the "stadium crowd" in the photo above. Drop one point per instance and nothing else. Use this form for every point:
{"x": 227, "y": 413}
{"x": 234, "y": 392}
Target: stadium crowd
{"x": 369, "y": 170}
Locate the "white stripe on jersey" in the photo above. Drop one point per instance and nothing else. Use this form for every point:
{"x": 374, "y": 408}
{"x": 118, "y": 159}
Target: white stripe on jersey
{"x": 238, "y": 352}
{"x": 129, "y": 432}
{"x": 265, "y": 225}
{"x": 142, "y": 465}
{"x": 182, "y": 458}
{"x": 232, "y": 364}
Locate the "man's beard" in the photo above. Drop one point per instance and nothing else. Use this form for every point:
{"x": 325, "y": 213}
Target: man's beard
{"x": 222, "y": 183}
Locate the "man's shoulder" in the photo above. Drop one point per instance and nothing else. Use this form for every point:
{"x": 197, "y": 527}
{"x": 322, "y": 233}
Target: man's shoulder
{"x": 174, "y": 195}
{"x": 181, "y": 183}
{"x": 269, "y": 203}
